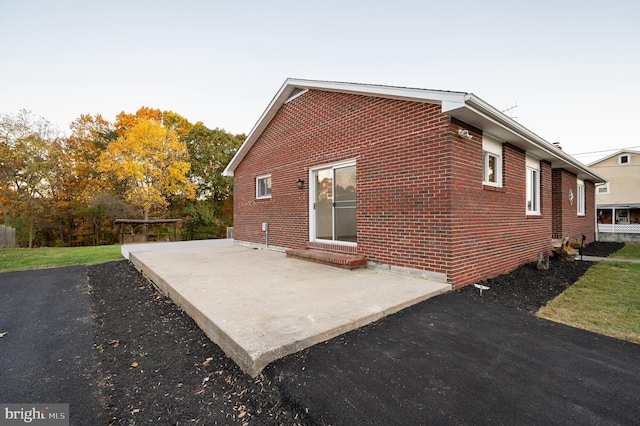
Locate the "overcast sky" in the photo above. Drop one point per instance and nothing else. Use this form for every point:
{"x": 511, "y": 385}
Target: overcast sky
{"x": 571, "y": 67}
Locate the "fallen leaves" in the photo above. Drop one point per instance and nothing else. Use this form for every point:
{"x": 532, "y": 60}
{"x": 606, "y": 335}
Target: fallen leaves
{"x": 175, "y": 374}
{"x": 134, "y": 364}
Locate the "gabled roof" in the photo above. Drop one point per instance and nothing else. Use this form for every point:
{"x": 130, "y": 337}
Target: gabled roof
{"x": 622, "y": 151}
{"x": 463, "y": 106}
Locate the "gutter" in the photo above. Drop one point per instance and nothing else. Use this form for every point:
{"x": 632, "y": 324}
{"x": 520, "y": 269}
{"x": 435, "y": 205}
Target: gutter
{"x": 449, "y": 98}
{"x": 595, "y": 218}
{"x": 465, "y": 106}
{"x": 479, "y": 106}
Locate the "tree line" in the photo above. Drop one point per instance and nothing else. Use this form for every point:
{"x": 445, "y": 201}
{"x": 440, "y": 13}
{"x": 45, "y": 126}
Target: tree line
{"x": 68, "y": 190}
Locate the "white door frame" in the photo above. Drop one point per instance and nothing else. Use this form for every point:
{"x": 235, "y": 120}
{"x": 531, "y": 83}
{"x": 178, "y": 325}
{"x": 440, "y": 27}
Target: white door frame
{"x": 312, "y": 200}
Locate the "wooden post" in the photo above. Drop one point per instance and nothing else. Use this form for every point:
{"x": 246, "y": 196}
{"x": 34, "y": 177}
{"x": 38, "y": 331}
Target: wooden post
{"x": 145, "y": 226}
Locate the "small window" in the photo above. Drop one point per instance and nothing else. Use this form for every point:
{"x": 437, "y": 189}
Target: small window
{"x": 491, "y": 161}
{"x": 533, "y": 186}
{"x": 263, "y": 186}
{"x": 581, "y": 198}
{"x": 623, "y": 159}
{"x": 491, "y": 169}
{"x": 622, "y": 216}
{"x": 603, "y": 189}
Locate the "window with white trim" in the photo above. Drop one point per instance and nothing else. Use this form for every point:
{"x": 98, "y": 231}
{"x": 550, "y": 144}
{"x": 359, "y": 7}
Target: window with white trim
{"x": 533, "y": 186}
{"x": 263, "y": 186}
{"x": 581, "y": 198}
{"x": 333, "y": 208}
{"x": 603, "y": 189}
{"x": 491, "y": 161}
{"x": 623, "y": 159}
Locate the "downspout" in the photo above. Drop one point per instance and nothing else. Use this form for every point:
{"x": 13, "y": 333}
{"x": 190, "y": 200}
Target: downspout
{"x": 595, "y": 209}
{"x": 595, "y": 219}
{"x": 265, "y": 229}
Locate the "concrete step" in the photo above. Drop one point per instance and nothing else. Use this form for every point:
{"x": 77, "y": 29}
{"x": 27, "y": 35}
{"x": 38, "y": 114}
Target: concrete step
{"x": 341, "y": 260}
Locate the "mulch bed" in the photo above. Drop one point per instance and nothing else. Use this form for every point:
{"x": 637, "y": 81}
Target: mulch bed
{"x": 527, "y": 288}
{"x": 158, "y": 367}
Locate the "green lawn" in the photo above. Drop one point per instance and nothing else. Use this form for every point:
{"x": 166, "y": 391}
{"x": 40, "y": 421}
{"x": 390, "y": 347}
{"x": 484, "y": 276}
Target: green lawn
{"x": 606, "y": 299}
{"x": 629, "y": 251}
{"x": 21, "y": 259}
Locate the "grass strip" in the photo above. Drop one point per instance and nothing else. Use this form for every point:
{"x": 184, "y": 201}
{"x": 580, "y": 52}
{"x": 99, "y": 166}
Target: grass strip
{"x": 605, "y": 300}
{"x": 22, "y": 259}
{"x": 629, "y": 251}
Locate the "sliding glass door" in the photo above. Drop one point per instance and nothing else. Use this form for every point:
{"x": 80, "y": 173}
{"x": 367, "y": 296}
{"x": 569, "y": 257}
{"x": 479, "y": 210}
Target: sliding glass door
{"x": 334, "y": 203}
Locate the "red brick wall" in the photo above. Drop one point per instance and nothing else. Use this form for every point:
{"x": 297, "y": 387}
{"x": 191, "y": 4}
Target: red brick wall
{"x": 420, "y": 204}
{"x": 492, "y": 232}
{"x": 566, "y": 222}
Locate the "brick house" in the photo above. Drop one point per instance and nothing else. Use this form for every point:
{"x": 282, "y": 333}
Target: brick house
{"x": 431, "y": 183}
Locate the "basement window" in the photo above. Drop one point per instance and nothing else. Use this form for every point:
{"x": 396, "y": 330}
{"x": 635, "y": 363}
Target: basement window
{"x": 263, "y": 186}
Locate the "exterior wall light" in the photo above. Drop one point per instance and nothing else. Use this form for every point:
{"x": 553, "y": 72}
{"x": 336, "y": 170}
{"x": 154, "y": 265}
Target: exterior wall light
{"x": 465, "y": 134}
{"x": 300, "y": 183}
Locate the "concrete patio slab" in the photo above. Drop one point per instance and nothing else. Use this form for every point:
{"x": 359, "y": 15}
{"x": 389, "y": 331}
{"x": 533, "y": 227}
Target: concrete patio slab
{"x": 258, "y": 305}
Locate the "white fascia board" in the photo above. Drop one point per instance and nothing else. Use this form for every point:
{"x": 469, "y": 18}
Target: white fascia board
{"x": 257, "y": 129}
{"x": 449, "y": 106}
{"x": 462, "y": 105}
{"x": 391, "y": 92}
{"x": 488, "y": 112}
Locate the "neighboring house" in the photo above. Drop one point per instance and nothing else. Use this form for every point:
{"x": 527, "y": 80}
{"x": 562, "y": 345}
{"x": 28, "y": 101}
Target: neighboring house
{"x": 618, "y": 201}
{"x": 431, "y": 183}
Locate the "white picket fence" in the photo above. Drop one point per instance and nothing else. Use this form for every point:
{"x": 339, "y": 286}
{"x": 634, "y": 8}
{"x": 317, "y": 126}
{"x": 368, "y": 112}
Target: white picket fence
{"x": 7, "y": 236}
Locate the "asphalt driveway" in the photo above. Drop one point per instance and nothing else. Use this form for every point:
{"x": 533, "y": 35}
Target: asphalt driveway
{"x": 46, "y": 353}
{"x": 449, "y": 360}
{"x": 460, "y": 360}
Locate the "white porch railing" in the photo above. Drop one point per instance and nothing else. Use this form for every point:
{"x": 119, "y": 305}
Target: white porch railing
{"x": 619, "y": 229}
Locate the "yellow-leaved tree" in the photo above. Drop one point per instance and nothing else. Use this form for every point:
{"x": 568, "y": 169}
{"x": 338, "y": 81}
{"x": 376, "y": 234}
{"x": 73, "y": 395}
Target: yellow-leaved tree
{"x": 149, "y": 161}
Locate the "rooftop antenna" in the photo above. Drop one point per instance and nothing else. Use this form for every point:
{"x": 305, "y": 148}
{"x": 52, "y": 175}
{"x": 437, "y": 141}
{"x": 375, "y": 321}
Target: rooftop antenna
{"x": 509, "y": 110}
